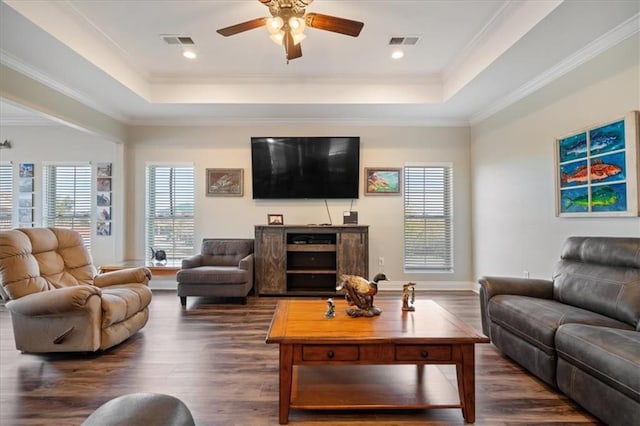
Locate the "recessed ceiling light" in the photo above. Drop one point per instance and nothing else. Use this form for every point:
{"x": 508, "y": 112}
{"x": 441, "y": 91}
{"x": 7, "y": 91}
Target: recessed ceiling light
{"x": 189, "y": 54}
{"x": 397, "y": 54}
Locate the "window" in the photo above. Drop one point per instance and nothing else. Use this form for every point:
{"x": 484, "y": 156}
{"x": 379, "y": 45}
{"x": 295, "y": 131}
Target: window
{"x": 6, "y": 196}
{"x": 67, "y": 198}
{"x": 428, "y": 232}
{"x": 169, "y": 210}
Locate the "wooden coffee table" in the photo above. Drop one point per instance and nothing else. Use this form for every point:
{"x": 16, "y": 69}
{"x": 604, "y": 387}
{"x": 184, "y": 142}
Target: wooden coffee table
{"x": 332, "y": 363}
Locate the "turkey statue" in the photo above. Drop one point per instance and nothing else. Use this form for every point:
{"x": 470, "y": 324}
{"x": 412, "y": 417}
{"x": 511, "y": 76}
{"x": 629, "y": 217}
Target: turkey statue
{"x": 359, "y": 294}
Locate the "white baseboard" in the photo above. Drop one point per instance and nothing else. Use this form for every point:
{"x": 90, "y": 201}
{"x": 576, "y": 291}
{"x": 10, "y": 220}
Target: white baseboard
{"x": 429, "y": 285}
{"x": 163, "y": 283}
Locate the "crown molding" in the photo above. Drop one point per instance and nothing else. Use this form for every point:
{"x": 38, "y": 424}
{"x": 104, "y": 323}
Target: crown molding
{"x": 607, "y": 41}
{"x": 279, "y": 121}
{"x": 15, "y": 64}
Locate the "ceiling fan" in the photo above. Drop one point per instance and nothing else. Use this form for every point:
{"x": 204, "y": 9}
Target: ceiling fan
{"x": 287, "y": 24}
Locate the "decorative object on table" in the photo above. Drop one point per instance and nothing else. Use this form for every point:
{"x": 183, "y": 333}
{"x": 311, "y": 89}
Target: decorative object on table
{"x": 158, "y": 255}
{"x": 359, "y": 294}
{"x": 382, "y": 181}
{"x": 597, "y": 170}
{"x": 331, "y": 309}
{"x": 225, "y": 182}
{"x": 275, "y": 219}
{"x": 408, "y": 297}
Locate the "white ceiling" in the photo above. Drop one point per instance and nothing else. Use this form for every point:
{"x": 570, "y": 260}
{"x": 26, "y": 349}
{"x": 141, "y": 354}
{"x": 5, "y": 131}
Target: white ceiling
{"x": 474, "y": 58}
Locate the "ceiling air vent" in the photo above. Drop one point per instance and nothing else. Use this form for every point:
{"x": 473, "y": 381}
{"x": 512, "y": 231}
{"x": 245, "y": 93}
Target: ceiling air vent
{"x": 177, "y": 39}
{"x": 404, "y": 40}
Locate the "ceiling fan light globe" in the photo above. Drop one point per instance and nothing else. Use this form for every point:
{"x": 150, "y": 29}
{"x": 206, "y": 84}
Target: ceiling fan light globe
{"x": 297, "y": 38}
{"x": 274, "y": 24}
{"x": 277, "y": 37}
{"x": 297, "y": 24}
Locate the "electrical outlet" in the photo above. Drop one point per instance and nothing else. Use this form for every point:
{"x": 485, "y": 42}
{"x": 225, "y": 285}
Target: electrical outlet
{"x": 525, "y": 274}
{"x": 381, "y": 261}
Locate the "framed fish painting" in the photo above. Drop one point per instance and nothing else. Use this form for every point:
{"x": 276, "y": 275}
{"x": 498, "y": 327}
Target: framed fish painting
{"x": 597, "y": 170}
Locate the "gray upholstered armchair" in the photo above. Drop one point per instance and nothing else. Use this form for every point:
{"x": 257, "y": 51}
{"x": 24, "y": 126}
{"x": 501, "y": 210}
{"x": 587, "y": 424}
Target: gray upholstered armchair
{"x": 58, "y": 302}
{"x": 223, "y": 268}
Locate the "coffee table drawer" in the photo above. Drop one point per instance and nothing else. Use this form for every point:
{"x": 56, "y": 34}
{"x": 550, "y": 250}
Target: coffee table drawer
{"x": 330, "y": 353}
{"x": 423, "y": 353}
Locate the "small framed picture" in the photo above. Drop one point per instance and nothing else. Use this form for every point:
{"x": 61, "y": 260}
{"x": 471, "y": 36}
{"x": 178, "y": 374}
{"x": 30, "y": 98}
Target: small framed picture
{"x": 382, "y": 181}
{"x": 26, "y": 170}
{"x": 103, "y": 170}
{"x": 224, "y": 183}
{"x": 103, "y": 184}
{"x": 275, "y": 219}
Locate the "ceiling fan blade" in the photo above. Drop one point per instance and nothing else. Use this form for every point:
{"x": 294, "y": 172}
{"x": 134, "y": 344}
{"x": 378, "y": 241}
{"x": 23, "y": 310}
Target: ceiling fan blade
{"x": 334, "y": 24}
{"x": 242, "y": 27}
{"x": 291, "y": 50}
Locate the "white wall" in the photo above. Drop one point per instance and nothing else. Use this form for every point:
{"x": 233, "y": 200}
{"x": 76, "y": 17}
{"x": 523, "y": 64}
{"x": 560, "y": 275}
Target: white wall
{"x": 514, "y": 224}
{"x": 57, "y": 143}
{"x": 211, "y": 147}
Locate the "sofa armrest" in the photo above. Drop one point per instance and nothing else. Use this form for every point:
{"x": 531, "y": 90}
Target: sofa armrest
{"x": 192, "y": 261}
{"x": 246, "y": 262}
{"x": 531, "y": 287}
{"x": 55, "y": 301}
{"x": 140, "y": 275}
{"x": 492, "y": 286}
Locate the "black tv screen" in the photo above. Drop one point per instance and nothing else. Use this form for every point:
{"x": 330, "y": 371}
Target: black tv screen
{"x": 305, "y": 167}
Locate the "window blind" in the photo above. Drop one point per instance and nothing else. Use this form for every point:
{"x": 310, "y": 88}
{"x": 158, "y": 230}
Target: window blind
{"x": 6, "y": 196}
{"x": 169, "y": 209}
{"x": 428, "y": 218}
{"x": 67, "y": 198}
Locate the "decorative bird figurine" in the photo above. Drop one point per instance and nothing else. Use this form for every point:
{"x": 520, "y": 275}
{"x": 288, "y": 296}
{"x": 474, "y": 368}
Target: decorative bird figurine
{"x": 359, "y": 294}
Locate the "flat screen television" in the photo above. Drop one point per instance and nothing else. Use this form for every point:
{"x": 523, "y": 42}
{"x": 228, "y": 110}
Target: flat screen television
{"x": 305, "y": 167}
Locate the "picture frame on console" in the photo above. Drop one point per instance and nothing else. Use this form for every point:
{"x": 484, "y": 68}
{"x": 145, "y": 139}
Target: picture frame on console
{"x": 275, "y": 219}
{"x": 225, "y": 182}
{"x": 382, "y": 181}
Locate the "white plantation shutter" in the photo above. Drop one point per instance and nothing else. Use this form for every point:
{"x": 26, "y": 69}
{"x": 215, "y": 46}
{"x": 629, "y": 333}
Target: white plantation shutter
{"x": 67, "y": 198}
{"x": 428, "y": 221}
{"x": 6, "y": 196}
{"x": 169, "y": 210}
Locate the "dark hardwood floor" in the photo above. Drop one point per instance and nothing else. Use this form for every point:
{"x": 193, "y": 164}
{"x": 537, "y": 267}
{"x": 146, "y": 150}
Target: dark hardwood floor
{"x": 213, "y": 357}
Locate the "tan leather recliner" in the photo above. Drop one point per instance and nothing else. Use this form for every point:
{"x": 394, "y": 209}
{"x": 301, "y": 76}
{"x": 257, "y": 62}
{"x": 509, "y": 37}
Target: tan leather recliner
{"x": 58, "y": 302}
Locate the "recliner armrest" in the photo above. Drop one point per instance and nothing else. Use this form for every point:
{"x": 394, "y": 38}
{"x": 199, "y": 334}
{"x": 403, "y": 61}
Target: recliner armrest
{"x": 192, "y": 261}
{"x": 492, "y": 286}
{"x": 518, "y": 286}
{"x": 55, "y": 301}
{"x": 139, "y": 275}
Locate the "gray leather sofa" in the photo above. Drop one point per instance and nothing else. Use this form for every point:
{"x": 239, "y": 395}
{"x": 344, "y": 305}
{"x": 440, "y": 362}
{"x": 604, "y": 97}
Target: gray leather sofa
{"x": 580, "y": 331}
{"x": 223, "y": 268}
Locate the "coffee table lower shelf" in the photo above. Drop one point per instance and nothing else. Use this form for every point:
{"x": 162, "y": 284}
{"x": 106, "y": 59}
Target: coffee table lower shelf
{"x": 331, "y": 387}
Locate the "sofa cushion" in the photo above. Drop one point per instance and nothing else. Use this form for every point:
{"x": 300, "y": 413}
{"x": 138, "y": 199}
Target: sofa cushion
{"x": 610, "y": 355}
{"x": 600, "y": 274}
{"x": 213, "y": 275}
{"x": 536, "y": 320}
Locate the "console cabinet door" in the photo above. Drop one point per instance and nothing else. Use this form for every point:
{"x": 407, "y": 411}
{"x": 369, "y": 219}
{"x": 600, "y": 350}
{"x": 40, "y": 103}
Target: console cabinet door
{"x": 353, "y": 253}
{"x": 270, "y": 261}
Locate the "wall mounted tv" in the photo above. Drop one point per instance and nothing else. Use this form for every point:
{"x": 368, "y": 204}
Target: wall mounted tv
{"x": 305, "y": 167}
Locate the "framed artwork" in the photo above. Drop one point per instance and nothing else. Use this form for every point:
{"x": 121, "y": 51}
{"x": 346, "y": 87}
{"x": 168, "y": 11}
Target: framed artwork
{"x": 26, "y": 170}
{"x": 104, "y": 173}
{"x": 382, "y": 181}
{"x": 275, "y": 219}
{"x": 596, "y": 170}
{"x": 225, "y": 183}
